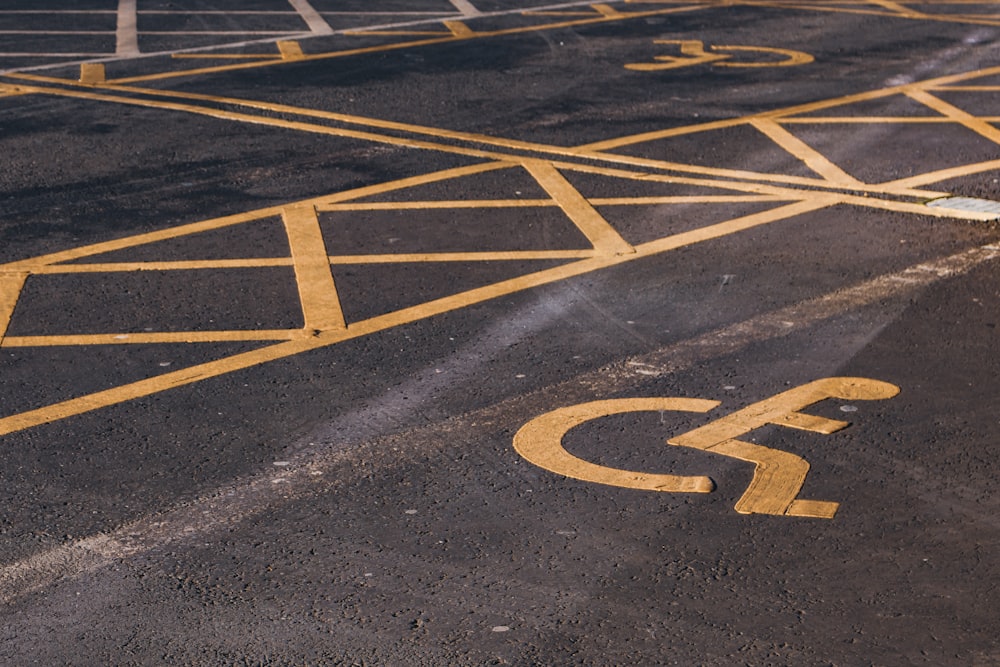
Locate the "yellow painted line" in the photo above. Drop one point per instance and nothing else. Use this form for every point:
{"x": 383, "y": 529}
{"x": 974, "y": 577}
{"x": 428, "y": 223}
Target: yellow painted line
{"x": 540, "y": 442}
{"x": 290, "y": 50}
{"x": 944, "y": 174}
{"x": 317, "y": 292}
{"x": 970, "y": 89}
{"x": 779, "y": 476}
{"x": 965, "y": 118}
{"x": 92, "y": 73}
{"x": 459, "y": 29}
{"x": 763, "y": 189}
{"x": 436, "y": 204}
{"x": 181, "y": 265}
{"x": 806, "y": 153}
{"x": 866, "y": 120}
{"x": 62, "y": 340}
{"x": 412, "y": 143}
{"x": 736, "y": 225}
{"x": 783, "y": 114}
{"x": 34, "y": 264}
{"x": 471, "y": 137}
{"x": 11, "y": 284}
{"x": 599, "y": 232}
{"x": 440, "y": 306}
{"x": 147, "y": 387}
{"x": 501, "y": 255}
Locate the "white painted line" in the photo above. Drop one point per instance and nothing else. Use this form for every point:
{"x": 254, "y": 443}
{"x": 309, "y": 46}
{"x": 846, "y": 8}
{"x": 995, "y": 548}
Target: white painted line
{"x": 466, "y": 8}
{"x": 436, "y": 20}
{"x": 317, "y": 24}
{"x": 323, "y": 470}
{"x": 126, "y": 34}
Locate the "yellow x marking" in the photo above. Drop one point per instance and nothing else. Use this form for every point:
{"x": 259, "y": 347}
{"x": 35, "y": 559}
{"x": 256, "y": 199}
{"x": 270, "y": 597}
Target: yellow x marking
{"x": 556, "y": 170}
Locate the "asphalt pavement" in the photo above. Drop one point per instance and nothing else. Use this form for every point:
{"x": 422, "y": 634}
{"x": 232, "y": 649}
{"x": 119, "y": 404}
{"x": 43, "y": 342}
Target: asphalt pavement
{"x": 483, "y": 332}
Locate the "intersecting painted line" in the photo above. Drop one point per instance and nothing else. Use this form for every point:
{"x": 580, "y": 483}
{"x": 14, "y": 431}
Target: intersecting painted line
{"x": 321, "y": 308}
{"x": 599, "y": 232}
{"x": 321, "y": 339}
{"x": 317, "y": 24}
{"x": 126, "y": 32}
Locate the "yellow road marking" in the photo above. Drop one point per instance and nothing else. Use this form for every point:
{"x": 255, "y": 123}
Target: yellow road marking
{"x": 540, "y": 442}
{"x": 511, "y": 255}
{"x": 92, "y": 73}
{"x": 265, "y": 335}
{"x": 319, "y": 339}
{"x": 779, "y": 476}
{"x": 944, "y": 174}
{"x": 317, "y": 292}
{"x": 324, "y": 321}
{"x": 459, "y": 29}
{"x": 11, "y": 284}
{"x": 965, "y": 118}
{"x": 290, "y": 50}
{"x": 803, "y": 151}
{"x": 599, "y": 232}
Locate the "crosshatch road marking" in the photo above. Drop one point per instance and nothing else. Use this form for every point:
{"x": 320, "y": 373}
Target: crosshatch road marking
{"x": 778, "y": 475}
{"x": 551, "y": 167}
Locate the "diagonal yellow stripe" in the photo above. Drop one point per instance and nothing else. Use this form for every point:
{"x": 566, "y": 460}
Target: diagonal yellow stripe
{"x": 317, "y": 292}
{"x": 11, "y": 285}
{"x": 604, "y": 237}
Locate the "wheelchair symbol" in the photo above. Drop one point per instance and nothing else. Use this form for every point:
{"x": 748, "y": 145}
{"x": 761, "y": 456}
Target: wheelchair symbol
{"x": 693, "y": 53}
{"x": 778, "y": 476}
